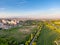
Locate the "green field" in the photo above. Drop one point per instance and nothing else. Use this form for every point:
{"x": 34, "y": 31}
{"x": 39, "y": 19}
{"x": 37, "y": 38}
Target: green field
{"x": 47, "y": 37}
{"x": 16, "y": 36}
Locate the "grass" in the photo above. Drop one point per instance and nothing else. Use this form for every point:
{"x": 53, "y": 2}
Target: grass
{"x": 17, "y": 33}
{"x": 47, "y": 37}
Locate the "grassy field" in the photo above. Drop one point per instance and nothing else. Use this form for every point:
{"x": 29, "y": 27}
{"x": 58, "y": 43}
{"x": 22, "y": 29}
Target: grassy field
{"x": 47, "y": 37}
{"x": 18, "y": 34}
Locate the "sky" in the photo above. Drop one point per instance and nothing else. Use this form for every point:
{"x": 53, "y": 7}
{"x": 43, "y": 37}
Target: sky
{"x": 30, "y": 8}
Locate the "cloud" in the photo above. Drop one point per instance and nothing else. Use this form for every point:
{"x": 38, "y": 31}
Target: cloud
{"x": 54, "y": 9}
{"x": 2, "y": 9}
{"x": 21, "y": 2}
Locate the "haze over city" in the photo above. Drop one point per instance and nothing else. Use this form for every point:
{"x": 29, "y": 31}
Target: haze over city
{"x": 30, "y": 8}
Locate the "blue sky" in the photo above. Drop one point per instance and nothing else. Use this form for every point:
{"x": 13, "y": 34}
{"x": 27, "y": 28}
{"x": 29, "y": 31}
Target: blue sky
{"x": 30, "y": 8}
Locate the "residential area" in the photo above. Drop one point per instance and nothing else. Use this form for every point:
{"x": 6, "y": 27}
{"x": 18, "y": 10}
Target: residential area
{"x": 6, "y": 23}
{"x": 10, "y": 23}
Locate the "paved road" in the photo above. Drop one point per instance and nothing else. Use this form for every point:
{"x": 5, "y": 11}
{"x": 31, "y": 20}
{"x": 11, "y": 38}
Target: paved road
{"x": 34, "y": 37}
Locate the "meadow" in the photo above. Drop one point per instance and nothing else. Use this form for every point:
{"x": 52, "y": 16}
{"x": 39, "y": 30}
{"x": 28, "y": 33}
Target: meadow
{"x": 47, "y": 37}
{"x": 16, "y": 36}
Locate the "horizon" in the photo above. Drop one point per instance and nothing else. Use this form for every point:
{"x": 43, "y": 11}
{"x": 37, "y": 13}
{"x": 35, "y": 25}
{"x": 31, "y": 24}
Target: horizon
{"x": 49, "y": 9}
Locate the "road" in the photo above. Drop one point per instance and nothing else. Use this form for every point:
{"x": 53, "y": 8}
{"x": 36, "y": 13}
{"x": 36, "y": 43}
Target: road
{"x": 35, "y": 36}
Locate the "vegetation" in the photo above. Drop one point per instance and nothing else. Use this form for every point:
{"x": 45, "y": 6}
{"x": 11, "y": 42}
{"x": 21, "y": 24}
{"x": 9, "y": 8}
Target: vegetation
{"x": 16, "y": 35}
{"x": 43, "y": 33}
{"x": 47, "y": 37}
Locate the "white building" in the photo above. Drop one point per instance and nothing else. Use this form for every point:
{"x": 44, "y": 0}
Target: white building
{"x": 1, "y": 25}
